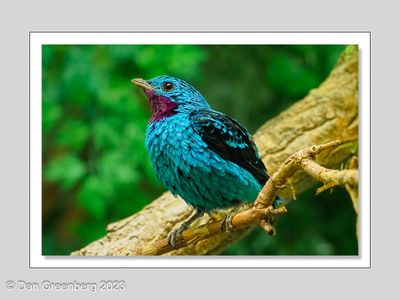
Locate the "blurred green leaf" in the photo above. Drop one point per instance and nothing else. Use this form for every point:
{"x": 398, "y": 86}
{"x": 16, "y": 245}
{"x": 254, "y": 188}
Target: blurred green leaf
{"x": 90, "y": 197}
{"x": 51, "y": 115}
{"x": 286, "y": 75}
{"x": 65, "y": 170}
{"x": 73, "y": 134}
{"x": 115, "y": 167}
{"x": 105, "y": 133}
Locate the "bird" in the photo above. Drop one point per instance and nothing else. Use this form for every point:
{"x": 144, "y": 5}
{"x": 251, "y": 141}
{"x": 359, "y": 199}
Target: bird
{"x": 202, "y": 155}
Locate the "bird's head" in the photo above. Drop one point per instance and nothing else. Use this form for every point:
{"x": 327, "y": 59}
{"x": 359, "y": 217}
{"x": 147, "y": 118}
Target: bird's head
{"x": 169, "y": 95}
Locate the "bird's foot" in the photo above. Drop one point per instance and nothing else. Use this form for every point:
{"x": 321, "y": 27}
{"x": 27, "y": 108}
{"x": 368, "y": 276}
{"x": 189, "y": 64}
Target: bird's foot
{"x": 226, "y": 225}
{"x": 175, "y": 236}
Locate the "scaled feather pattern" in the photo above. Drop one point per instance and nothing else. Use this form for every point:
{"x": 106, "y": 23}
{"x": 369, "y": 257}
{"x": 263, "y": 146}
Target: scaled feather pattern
{"x": 204, "y": 156}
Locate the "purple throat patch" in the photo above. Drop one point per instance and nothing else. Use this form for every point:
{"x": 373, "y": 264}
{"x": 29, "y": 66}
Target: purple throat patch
{"x": 161, "y": 107}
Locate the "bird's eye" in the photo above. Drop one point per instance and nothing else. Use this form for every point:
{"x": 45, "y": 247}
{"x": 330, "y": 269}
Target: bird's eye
{"x": 167, "y": 86}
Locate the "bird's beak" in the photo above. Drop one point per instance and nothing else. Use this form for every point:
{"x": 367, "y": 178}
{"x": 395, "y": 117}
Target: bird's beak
{"x": 142, "y": 83}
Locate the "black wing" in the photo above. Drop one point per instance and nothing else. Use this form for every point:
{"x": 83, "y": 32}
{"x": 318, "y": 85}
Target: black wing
{"x": 230, "y": 140}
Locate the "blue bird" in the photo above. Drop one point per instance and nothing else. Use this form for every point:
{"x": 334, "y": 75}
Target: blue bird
{"x": 202, "y": 155}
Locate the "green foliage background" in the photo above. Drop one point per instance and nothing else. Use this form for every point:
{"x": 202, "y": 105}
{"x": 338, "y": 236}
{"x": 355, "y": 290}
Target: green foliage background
{"x": 96, "y": 169}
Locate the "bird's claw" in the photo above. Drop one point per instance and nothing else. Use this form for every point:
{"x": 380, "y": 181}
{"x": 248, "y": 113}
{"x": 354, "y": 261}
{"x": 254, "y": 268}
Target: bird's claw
{"x": 175, "y": 236}
{"x": 226, "y": 225}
